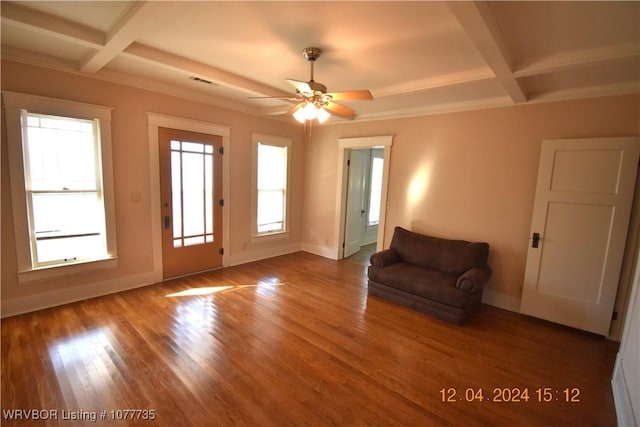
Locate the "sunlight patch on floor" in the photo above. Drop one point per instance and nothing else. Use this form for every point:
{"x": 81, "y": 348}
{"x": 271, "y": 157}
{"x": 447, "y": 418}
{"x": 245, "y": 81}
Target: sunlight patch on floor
{"x": 210, "y": 290}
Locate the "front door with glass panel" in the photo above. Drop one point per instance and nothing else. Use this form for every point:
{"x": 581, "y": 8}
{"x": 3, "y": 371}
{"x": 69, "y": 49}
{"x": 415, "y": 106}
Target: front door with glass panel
{"x": 191, "y": 187}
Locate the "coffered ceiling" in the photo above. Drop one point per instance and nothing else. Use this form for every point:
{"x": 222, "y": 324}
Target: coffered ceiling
{"x": 415, "y": 57}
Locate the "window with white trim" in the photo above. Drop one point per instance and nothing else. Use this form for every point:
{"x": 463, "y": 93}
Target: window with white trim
{"x": 271, "y": 176}
{"x": 61, "y": 185}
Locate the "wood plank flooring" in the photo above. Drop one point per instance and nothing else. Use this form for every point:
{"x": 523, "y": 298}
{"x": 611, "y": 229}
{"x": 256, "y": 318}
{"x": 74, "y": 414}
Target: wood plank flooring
{"x": 294, "y": 341}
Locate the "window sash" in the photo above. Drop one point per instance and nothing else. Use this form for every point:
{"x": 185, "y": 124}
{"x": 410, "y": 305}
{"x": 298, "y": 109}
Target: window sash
{"x": 270, "y": 197}
{"x": 271, "y": 209}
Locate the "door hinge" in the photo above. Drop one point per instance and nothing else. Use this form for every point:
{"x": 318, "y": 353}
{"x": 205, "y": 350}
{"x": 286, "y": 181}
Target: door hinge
{"x": 221, "y": 151}
{"x": 614, "y": 316}
{"x": 342, "y": 245}
{"x": 349, "y": 162}
{"x": 221, "y": 251}
{"x": 221, "y": 202}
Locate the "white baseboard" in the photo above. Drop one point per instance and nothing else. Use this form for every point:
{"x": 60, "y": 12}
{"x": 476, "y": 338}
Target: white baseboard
{"x": 250, "y": 256}
{"x": 15, "y": 306}
{"x": 496, "y": 299}
{"x": 323, "y": 251}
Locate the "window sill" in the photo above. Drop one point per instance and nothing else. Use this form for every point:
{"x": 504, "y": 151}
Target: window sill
{"x": 52, "y": 272}
{"x": 267, "y": 237}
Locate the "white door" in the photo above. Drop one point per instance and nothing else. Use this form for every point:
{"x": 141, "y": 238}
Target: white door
{"x": 578, "y": 230}
{"x": 355, "y": 202}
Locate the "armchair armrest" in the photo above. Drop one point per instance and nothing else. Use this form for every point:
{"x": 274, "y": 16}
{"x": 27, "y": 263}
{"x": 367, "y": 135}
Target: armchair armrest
{"x": 384, "y": 258}
{"x": 473, "y": 279}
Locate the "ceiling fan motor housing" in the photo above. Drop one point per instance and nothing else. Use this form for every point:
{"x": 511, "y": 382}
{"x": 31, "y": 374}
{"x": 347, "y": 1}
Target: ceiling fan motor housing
{"x": 317, "y": 87}
{"x": 311, "y": 53}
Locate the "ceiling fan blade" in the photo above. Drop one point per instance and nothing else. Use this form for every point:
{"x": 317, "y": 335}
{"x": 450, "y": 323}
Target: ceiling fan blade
{"x": 287, "y": 97}
{"x": 351, "y": 95}
{"x": 302, "y": 87}
{"x": 340, "y": 110}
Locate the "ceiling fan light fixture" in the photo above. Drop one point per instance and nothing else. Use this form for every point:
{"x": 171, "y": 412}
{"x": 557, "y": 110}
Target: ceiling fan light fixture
{"x": 310, "y": 111}
{"x": 299, "y": 115}
{"x": 322, "y": 115}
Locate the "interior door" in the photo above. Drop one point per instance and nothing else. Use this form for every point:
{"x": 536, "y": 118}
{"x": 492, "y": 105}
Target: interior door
{"x": 578, "y": 230}
{"x": 191, "y": 197}
{"x": 356, "y": 213}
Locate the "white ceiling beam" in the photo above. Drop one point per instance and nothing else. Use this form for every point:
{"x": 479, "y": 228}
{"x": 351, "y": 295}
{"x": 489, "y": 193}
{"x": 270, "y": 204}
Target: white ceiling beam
{"x": 121, "y": 41}
{"x": 142, "y": 16}
{"x": 478, "y": 22}
{"x": 189, "y": 67}
{"x": 51, "y": 26}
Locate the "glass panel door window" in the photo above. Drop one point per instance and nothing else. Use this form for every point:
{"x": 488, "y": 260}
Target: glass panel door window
{"x": 192, "y": 193}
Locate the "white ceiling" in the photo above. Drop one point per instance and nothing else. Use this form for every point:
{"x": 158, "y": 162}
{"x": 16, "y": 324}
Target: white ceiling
{"x": 415, "y": 57}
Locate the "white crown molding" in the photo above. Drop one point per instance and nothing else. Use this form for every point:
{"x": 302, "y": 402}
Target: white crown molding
{"x": 576, "y": 59}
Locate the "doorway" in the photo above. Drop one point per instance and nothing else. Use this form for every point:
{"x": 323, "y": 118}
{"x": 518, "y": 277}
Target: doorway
{"x": 362, "y": 192}
{"x": 155, "y": 122}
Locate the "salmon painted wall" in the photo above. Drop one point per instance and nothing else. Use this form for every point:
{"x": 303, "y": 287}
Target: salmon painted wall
{"x": 132, "y": 174}
{"x": 467, "y": 175}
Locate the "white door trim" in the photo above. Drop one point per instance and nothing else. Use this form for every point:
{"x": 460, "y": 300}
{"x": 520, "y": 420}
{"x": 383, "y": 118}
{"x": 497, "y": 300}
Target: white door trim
{"x": 155, "y": 121}
{"x": 384, "y": 141}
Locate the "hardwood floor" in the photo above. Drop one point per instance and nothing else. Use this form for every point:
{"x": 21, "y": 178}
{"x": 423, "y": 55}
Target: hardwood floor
{"x": 291, "y": 341}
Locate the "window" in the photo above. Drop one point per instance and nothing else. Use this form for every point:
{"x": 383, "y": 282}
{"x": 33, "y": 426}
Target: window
{"x": 61, "y": 188}
{"x": 270, "y": 184}
{"x": 375, "y": 182}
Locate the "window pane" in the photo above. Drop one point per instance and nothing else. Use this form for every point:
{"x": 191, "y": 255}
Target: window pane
{"x": 208, "y": 191}
{"x": 176, "y": 192}
{"x": 376, "y": 190}
{"x": 190, "y": 241}
{"x": 64, "y": 214}
{"x": 193, "y": 147}
{"x": 193, "y": 193}
{"x": 61, "y": 153}
{"x": 270, "y": 210}
{"x": 71, "y": 249}
{"x": 272, "y": 167}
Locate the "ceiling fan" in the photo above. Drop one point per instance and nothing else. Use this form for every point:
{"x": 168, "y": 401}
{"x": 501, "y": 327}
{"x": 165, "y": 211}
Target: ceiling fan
{"x": 313, "y": 100}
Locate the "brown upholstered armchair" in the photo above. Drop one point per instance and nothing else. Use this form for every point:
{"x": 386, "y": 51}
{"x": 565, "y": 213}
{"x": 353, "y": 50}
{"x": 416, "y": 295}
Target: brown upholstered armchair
{"x": 441, "y": 277}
